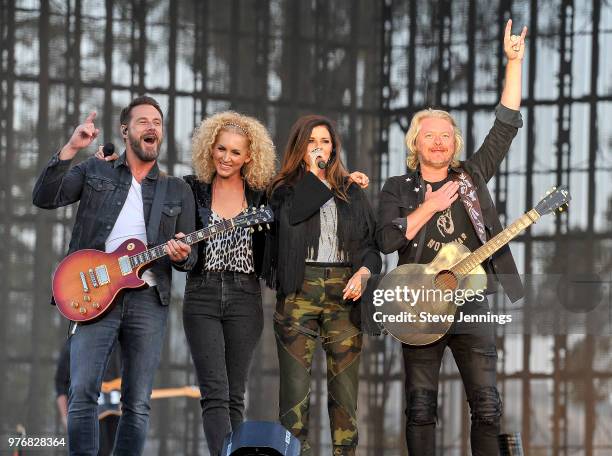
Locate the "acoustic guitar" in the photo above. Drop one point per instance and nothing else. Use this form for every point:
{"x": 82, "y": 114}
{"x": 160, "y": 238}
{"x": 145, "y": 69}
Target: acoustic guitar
{"x": 86, "y": 282}
{"x": 417, "y": 303}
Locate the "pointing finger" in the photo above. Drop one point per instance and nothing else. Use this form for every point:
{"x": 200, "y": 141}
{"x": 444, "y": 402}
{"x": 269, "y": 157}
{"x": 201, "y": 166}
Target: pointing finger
{"x": 90, "y": 117}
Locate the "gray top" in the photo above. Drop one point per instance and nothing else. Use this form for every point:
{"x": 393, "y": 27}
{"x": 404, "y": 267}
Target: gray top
{"x": 328, "y": 240}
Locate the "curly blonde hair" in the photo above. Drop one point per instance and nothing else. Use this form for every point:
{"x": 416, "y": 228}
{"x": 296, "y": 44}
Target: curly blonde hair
{"x": 412, "y": 159}
{"x": 258, "y": 172}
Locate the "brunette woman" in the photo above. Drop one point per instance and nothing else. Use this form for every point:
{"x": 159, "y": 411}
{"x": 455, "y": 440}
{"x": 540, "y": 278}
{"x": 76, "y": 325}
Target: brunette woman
{"x": 319, "y": 255}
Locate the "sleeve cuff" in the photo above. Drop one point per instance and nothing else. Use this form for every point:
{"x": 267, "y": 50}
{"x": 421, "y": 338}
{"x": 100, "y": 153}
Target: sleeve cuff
{"x": 55, "y": 160}
{"x": 509, "y": 116}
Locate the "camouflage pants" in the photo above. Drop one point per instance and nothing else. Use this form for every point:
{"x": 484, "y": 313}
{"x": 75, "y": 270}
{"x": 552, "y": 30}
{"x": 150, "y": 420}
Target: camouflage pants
{"x": 318, "y": 311}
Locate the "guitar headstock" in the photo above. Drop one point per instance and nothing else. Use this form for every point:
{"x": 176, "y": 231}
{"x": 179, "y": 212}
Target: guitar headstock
{"x": 555, "y": 200}
{"x": 254, "y": 216}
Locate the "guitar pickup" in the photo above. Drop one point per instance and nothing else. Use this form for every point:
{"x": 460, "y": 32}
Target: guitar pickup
{"x": 92, "y": 276}
{"x": 84, "y": 282}
{"x": 102, "y": 275}
{"x": 124, "y": 265}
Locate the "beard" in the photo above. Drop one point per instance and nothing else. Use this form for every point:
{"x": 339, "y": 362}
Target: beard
{"x": 145, "y": 156}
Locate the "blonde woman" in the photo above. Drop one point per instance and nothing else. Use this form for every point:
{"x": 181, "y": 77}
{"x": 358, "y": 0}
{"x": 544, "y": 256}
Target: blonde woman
{"x": 234, "y": 160}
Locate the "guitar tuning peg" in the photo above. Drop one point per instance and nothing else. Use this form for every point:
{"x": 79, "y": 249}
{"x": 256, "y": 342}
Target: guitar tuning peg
{"x": 561, "y": 209}
{"x": 554, "y": 188}
{"x": 261, "y": 206}
{"x": 251, "y": 230}
{"x": 267, "y": 226}
{"x": 259, "y": 228}
{"x": 547, "y": 192}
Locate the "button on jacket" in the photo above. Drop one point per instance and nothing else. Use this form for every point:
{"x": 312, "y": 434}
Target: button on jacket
{"x": 102, "y": 188}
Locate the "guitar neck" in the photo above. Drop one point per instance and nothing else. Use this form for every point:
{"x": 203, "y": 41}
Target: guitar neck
{"x": 159, "y": 251}
{"x": 494, "y": 244}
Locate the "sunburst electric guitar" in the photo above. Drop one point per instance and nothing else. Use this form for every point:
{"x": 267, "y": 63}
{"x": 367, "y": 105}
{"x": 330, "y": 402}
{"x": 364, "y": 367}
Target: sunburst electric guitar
{"x": 86, "y": 282}
{"x": 423, "y": 314}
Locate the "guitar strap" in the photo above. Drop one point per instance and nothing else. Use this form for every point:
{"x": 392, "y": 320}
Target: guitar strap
{"x": 467, "y": 194}
{"x": 156, "y": 208}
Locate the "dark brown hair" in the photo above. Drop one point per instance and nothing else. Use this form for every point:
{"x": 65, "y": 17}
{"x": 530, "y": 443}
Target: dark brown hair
{"x": 124, "y": 117}
{"x": 292, "y": 167}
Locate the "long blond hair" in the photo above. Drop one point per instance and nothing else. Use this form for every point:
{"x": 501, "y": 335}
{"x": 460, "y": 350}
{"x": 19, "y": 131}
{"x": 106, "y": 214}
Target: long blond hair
{"x": 412, "y": 159}
{"x": 258, "y": 172}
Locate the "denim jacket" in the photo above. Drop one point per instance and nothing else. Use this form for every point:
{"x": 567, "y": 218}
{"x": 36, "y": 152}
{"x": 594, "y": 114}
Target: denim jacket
{"x": 403, "y": 194}
{"x": 101, "y": 188}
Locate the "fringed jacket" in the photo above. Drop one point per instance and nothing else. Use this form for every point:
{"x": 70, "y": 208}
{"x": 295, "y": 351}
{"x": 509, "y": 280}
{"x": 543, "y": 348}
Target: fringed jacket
{"x": 296, "y": 232}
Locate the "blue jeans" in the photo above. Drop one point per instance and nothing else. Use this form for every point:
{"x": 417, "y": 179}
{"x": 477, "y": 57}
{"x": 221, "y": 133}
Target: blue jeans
{"x": 223, "y": 320}
{"x": 138, "y": 323}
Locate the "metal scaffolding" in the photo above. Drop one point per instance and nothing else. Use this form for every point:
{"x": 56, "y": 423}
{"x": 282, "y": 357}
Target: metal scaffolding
{"x": 370, "y": 65}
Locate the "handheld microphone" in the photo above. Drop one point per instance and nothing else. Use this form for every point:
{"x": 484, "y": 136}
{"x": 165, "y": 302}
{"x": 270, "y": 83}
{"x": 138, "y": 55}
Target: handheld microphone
{"x": 108, "y": 149}
{"x": 321, "y": 164}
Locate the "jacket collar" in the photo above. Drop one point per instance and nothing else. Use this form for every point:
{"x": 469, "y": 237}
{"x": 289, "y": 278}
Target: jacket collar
{"x": 417, "y": 172}
{"x": 252, "y": 196}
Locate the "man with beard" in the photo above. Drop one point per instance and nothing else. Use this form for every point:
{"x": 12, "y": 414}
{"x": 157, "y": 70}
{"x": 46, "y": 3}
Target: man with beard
{"x": 118, "y": 200}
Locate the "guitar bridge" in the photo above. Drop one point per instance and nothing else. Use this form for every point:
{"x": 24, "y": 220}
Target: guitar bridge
{"x": 124, "y": 265}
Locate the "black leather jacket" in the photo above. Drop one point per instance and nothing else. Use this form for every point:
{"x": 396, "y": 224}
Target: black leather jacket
{"x": 398, "y": 198}
{"x": 102, "y": 188}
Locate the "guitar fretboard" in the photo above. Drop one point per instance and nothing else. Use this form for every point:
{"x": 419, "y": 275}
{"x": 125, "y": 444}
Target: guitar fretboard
{"x": 156, "y": 252}
{"x": 494, "y": 244}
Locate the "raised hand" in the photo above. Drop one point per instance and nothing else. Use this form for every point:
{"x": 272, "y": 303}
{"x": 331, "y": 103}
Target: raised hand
{"x": 83, "y": 136}
{"x": 442, "y": 198}
{"x": 514, "y": 45}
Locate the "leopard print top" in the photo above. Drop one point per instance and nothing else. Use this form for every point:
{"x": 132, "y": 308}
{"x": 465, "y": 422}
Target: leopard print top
{"x": 230, "y": 250}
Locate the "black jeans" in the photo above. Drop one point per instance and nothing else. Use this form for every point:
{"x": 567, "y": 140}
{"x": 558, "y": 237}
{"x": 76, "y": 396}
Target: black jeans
{"x": 223, "y": 320}
{"x": 476, "y": 358}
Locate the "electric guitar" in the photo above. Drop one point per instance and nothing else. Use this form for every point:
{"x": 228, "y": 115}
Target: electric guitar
{"x": 421, "y": 303}
{"x": 86, "y": 282}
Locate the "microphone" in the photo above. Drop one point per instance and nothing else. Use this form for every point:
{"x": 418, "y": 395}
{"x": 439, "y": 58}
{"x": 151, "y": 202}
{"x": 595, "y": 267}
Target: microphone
{"x": 321, "y": 164}
{"x": 108, "y": 149}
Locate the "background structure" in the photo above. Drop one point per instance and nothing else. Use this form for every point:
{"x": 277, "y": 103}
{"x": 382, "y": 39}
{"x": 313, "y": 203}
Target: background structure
{"x": 369, "y": 64}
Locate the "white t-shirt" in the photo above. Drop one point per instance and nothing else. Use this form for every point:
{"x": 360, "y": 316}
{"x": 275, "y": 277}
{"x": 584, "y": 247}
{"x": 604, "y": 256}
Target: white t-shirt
{"x": 130, "y": 224}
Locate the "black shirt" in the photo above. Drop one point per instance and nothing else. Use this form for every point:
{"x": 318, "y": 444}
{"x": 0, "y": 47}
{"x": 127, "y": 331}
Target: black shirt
{"x": 450, "y": 225}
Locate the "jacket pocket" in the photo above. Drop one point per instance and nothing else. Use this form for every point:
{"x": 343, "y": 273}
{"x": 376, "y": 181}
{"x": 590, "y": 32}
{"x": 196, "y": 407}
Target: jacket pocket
{"x": 170, "y": 213}
{"x": 98, "y": 190}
